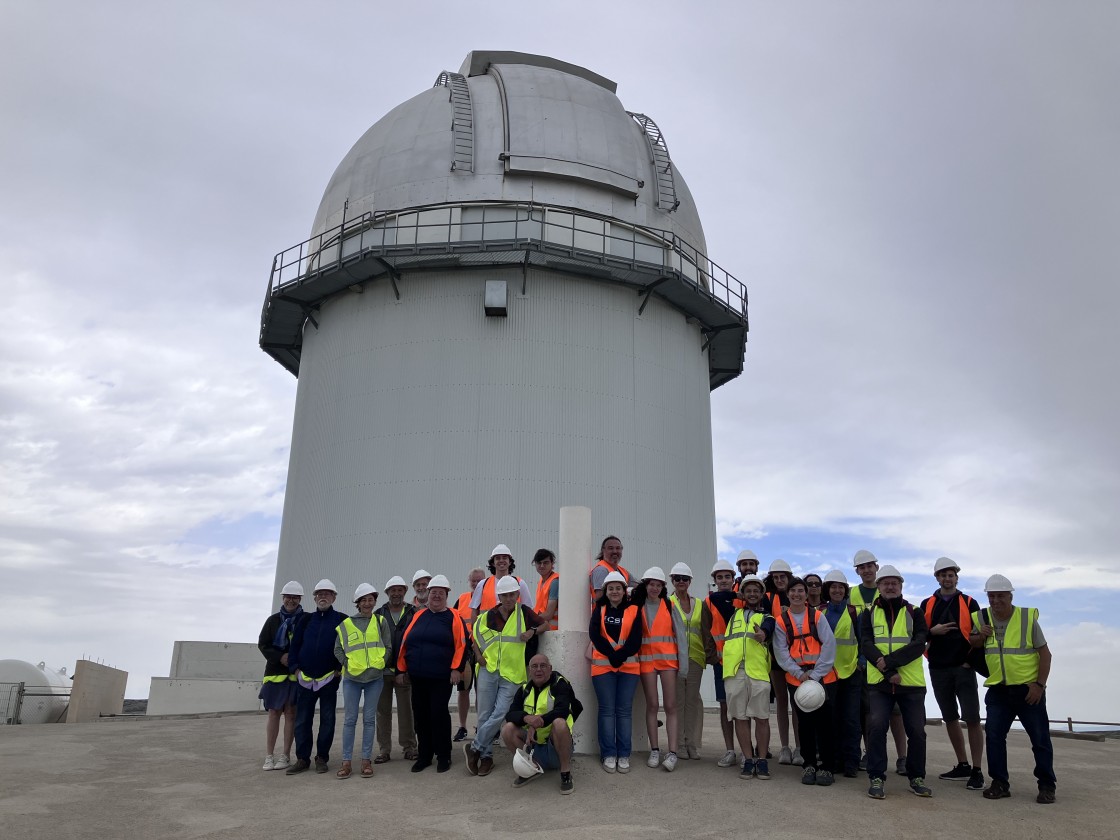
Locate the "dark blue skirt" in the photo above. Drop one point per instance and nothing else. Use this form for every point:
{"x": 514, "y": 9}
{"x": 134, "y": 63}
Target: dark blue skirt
{"x": 278, "y": 695}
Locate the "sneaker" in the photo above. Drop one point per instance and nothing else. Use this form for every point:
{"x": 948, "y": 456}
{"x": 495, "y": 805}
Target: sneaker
{"x": 320, "y": 765}
{"x": 420, "y": 765}
{"x": 472, "y": 759}
{"x": 785, "y": 756}
{"x": 997, "y": 790}
{"x": 460, "y": 735}
{"x": 383, "y": 758}
{"x": 566, "y": 784}
{"x": 269, "y": 763}
{"x": 728, "y": 759}
{"x": 694, "y": 753}
{"x": 519, "y": 782}
{"x": 863, "y": 762}
{"x": 670, "y": 762}
{"x": 877, "y": 789}
{"x": 798, "y": 761}
{"x": 850, "y": 772}
{"x": 654, "y": 758}
{"x": 1045, "y": 796}
{"x": 761, "y": 769}
{"x": 301, "y": 765}
{"x": 444, "y": 764}
{"x": 485, "y": 765}
{"x": 624, "y": 764}
{"x": 961, "y": 773}
{"x": 900, "y": 765}
{"x": 610, "y": 763}
{"x": 747, "y": 770}
{"x": 918, "y": 787}
{"x": 824, "y": 778}
{"x": 975, "y": 779}
{"x": 809, "y": 777}
{"x": 281, "y": 761}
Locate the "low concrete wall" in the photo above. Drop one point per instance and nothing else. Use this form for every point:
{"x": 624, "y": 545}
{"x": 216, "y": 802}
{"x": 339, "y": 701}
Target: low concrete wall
{"x": 97, "y": 690}
{"x": 216, "y": 660}
{"x": 169, "y": 696}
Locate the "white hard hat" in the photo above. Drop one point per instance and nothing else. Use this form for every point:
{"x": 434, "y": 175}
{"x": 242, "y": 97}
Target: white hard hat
{"x": 325, "y": 583}
{"x": 746, "y": 554}
{"x": 363, "y": 590}
{"x": 681, "y": 569}
{"x": 780, "y": 566}
{"x": 654, "y": 573}
{"x": 888, "y": 571}
{"x": 998, "y": 583}
{"x": 944, "y": 563}
{"x": 722, "y": 566}
{"x": 395, "y": 580}
{"x": 863, "y": 556}
{"x": 835, "y": 576}
{"x": 500, "y": 548}
{"x": 809, "y": 696}
{"x": 614, "y": 577}
{"x": 524, "y": 765}
{"x": 752, "y": 579}
{"x": 440, "y": 582}
{"x": 505, "y": 585}
{"x": 292, "y": 587}
{"x": 421, "y": 573}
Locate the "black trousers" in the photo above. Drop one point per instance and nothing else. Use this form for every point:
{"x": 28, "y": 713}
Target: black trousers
{"x": 816, "y": 730}
{"x": 430, "y": 716}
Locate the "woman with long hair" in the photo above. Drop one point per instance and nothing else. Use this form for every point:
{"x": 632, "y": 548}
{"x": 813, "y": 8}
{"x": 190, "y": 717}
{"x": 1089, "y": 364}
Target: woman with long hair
{"x": 616, "y": 638}
{"x": 659, "y": 659}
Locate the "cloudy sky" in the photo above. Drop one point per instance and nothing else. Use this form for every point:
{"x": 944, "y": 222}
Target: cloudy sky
{"x": 923, "y": 200}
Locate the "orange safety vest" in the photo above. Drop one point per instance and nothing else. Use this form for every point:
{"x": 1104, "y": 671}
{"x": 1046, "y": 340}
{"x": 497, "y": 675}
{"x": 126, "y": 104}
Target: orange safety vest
{"x": 458, "y": 633}
{"x": 542, "y": 599}
{"x": 463, "y": 605}
{"x": 599, "y": 663}
{"x": 489, "y": 597}
{"x": 659, "y": 642}
{"x": 964, "y": 621}
{"x": 719, "y": 626}
{"x": 621, "y": 570}
{"x": 774, "y": 599}
{"x": 804, "y": 646}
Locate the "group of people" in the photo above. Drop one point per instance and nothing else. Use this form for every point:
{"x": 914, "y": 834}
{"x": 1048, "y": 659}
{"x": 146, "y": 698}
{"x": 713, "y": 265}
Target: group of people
{"x": 845, "y": 660}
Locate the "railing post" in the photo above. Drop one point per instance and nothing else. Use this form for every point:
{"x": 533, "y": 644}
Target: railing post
{"x": 19, "y": 702}
{"x": 1069, "y": 722}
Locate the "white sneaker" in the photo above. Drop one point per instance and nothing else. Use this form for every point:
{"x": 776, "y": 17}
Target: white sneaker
{"x": 728, "y": 759}
{"x": 280, "y": 761}
{"x": 269, "y": 764}
{"x": 798, "y": 761}
{"x": 610, "y": 763}
{"x": 624, "y": 764}
{"x": 670, "y": 762}
{"x": 785, "y": 756}
{"x": 694, "y": 753}
{"x": 654, "y": 758}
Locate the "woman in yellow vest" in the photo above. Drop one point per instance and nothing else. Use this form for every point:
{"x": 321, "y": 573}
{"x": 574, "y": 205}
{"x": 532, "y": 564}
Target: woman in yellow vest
{"x": 843, "y": 618}
{"x": 691, "y": 716}
{"x": 616, "y": 638}
{"x": 362, "y": 649}
{"x": 663, "y": 636}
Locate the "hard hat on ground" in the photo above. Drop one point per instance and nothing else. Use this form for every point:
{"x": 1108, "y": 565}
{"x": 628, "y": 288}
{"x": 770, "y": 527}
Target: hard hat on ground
{"x": 722, "y": 566}
{"x": 654, "y": 573}
{"x": 780, "y": 566}
{"x": 809, "y": 696}
{"x": 292, "y": 587}
{"x": 998, "y": 583}
{"x": 326, "y": 584}
{"x": 500, "y": 548}
{"x": 746, "y": 554}
{"x": 614, "y": 577}
{"x": 505, "y": 585}
{"x": 440, "y": 582}
{"x": 863, "y": 556}
{"x": 395, "y": 580}
{"x": 888, "y": 571}
{"x": 363, "y": 590}
{"x": 421, "y": 573}
{"x": 752, "y": 579}
{"x": 681, "y": 570}
{"x": 942, "y": 563}
{"x": 524, "y": 765}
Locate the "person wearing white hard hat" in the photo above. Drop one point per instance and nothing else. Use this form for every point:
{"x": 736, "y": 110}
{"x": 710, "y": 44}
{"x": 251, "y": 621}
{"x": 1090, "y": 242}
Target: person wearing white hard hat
{"x": 616, "y": 637}
{"x": 499, "y": 637}
{"x": 746, "y": 563}
{"x": 397, "y": 613}
{"x": 317, "y": 672}
{"x": 777, "y": 601}
{"x": 952, "y": 665}
{"x": 893, "y": 637}
{"x": 746, "y": 670}
{"x": 719, "y": 606}
{"x": 805, "y": 648}
{"x": 463, "y": 691}
{"x": 663, "y": 639}
{"x": 866, "y": 566}
{"x": 420, "y": 581}
{"x": 278, "y": 688}
{"x": 364, "y": 649}
{"x": 485, "y": 595}
{"x": 609, "y": 559}
{"x": 843, "y": 618}
{"x": 1019, "y": 661}
{"x": 690, "y": 704}
{"x": 542, "y": 714}
{"x": 431, "y": 659}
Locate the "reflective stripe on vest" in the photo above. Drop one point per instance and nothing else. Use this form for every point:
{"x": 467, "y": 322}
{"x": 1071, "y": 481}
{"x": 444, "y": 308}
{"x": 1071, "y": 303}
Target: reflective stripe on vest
{"x": 540, "y": 702}
{"x": 1015, "y": 660}
{"x": 363, "y": 649}
{"x": 847, "y": 649}
{"x": 692, "y": 625}
{"x": 804, "y": 647}
{"x": 279, "y": 678}
{"x": 599, "y": 663}
{"x": 541, "y": 604}
{"x": 889, "y": 639}
{"x": 659, "y": 643}
{"x": 503, "y": 649}
{"x": 739, "y": 648}
{"x": 314, "y": 683}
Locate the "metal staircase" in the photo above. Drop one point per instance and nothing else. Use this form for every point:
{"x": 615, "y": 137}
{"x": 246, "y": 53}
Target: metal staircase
{"x": 462, "y": 120}
{"x": 662, "y": 164}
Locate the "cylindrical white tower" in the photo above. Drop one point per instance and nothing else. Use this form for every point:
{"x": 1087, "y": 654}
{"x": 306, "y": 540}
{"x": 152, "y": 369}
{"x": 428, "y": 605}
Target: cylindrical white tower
{"x": 505, "y": 308}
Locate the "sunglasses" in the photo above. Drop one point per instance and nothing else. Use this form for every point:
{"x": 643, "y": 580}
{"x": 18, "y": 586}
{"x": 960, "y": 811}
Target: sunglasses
{"x": 678, "y": 578}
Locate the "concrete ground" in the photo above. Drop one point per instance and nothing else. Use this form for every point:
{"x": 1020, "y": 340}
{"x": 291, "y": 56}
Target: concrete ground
{"x": 190, "y": 778}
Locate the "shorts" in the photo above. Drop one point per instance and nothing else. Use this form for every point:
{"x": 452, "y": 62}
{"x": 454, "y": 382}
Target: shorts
{"x": 547, "y": 757}
{"x": 953, "y": 685}
{"x": 717, "y": 670}
{"x": 746, "y": 697}
{"x": 277, "y": 696}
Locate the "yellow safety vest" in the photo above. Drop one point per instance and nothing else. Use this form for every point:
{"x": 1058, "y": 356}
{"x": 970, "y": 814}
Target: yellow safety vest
{"x": 692, "y": 624}
{"x": 888, "y": 640}
{"x": 739, "y": 648}
{"x": 1014, "y": 661}
{"x": 540, "y": 702}
{"x": 503, "y": 650}
{"x": 856, "y": 599}
{"x": 847, "y": 649}
{"x": 363, "y": 650}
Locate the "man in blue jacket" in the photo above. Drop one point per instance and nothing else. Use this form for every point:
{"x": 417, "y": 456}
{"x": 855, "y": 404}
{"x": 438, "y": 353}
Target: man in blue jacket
{"x": 318, "y": 673}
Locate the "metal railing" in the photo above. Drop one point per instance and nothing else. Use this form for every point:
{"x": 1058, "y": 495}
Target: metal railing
{"x": 481, "y": 226}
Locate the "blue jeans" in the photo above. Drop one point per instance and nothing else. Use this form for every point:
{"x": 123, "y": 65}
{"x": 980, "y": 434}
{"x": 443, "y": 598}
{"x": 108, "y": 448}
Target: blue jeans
{"x": 352, "y": 693}
{"x": 615, "y": 693}
{"x": 1004, "y": 703}
{"x": 494, "y": 696}
{"x": 327, "y": 698}
{"x": 912, "y": 705}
